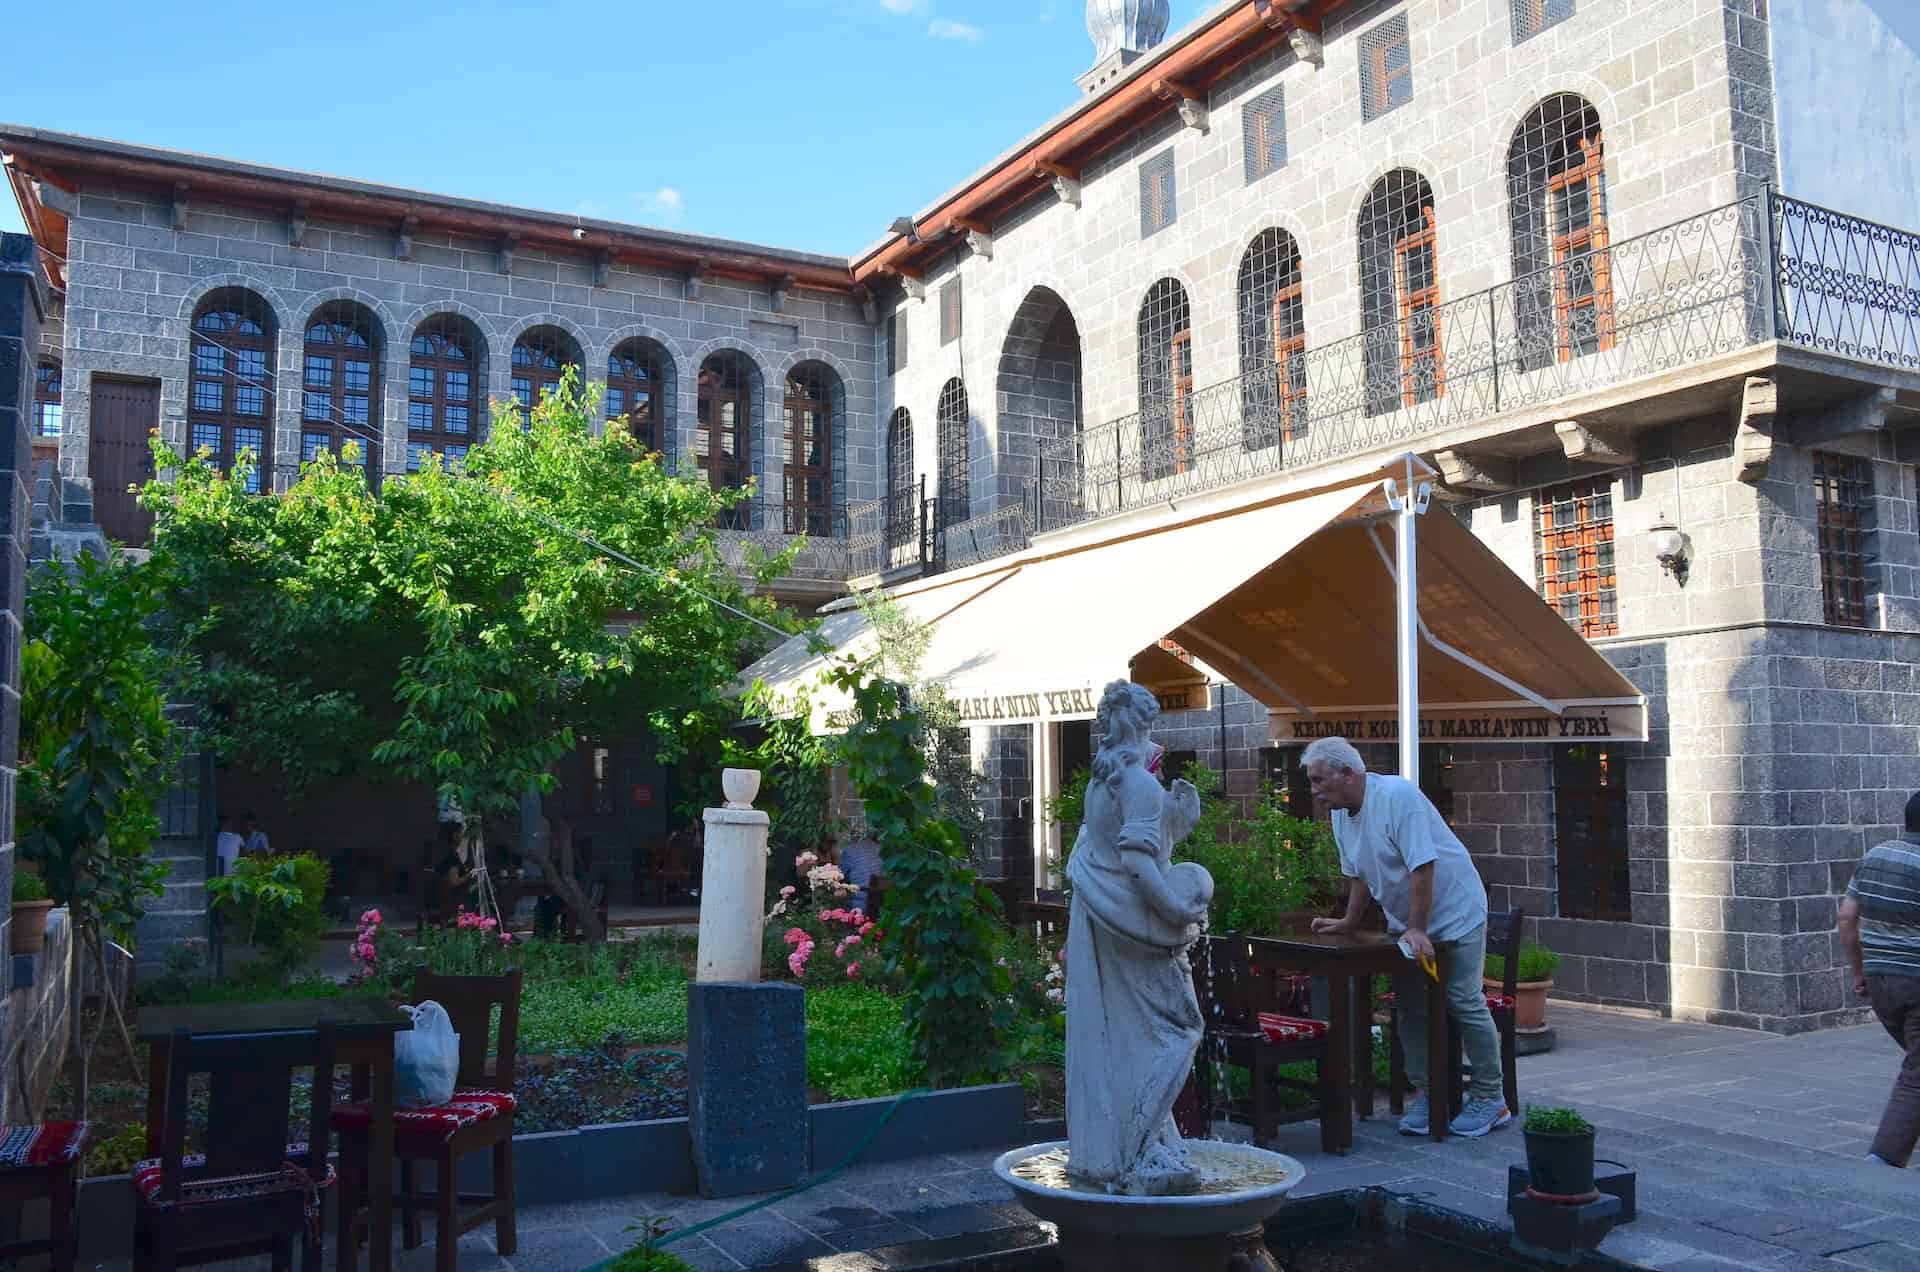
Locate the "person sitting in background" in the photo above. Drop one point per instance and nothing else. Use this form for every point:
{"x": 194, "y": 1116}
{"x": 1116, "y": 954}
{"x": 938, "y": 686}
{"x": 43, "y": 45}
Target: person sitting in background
{"x": 227, "y": 845}
{"x": 860, "y": 862}
{"x": 256, "y": 838}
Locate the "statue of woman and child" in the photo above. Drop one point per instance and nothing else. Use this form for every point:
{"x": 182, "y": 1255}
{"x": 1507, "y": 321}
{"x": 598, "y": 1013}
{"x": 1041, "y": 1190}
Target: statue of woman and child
{"x": 1133, "y": 1021}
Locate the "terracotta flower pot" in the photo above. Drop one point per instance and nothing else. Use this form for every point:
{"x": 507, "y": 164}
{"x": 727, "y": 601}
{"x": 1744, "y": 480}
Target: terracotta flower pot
{"x": 1529, "y": 1003}
{"x": 30, "y": 926}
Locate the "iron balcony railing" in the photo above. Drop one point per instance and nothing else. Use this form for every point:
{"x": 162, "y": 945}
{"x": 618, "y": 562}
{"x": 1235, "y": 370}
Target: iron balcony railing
{"x": 890, "y": 532}
{"x": 758, "y": 515}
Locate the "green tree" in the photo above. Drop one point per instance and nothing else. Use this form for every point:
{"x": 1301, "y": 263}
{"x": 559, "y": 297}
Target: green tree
{"x": 463, "y": 626}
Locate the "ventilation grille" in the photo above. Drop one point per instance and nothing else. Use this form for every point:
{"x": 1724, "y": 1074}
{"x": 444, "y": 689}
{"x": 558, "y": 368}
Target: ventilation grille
{"x": 1157, "y": 202}
{"x": 1386, "y": 68}
{"x": 1264, "y": 124}
{"x": 950, "y": 312}
{"x": 1531, "y": 17}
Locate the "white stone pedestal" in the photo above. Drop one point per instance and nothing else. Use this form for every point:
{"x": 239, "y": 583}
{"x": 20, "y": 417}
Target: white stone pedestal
{"x": 733, "y": 885}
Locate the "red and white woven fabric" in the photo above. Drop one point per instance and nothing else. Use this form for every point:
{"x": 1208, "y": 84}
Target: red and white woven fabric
{"x": 209, "y": 1189}
{"x": 1498, "y": 1001}
{"x": 33, "y": 1146}
{"x": 1291, "y": 1028}
{"x": 435, "y": 1121}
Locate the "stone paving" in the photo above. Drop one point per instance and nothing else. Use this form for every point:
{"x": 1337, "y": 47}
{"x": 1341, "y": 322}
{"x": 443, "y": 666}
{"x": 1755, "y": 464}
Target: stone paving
{"x": 1750, "y": 1151}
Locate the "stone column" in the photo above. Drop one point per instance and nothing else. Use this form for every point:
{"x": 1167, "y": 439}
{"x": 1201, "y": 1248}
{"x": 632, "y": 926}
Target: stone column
{"x": 733, "y": 884}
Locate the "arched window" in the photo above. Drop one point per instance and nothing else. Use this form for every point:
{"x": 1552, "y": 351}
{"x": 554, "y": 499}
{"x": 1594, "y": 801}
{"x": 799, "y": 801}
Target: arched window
{"x": 1557, "y": 199}
{"x": 443, "y": 389}
{"x": 637, "y": 391}
{"x": 1400, "y": 293}
{"x": 902, "y": 503}
{"x": 46, "y": 400}
{"x": 1166, "y": 381}
{"x": 723, "y": 430}
{"x": 815, "y": 402}
{"x": 951, "y": 443}
{"x": 340, "y": 384}
{"x": 230, "y": 401}
{"x": 540, "y": 356}
{"x": 1273, "y": 340}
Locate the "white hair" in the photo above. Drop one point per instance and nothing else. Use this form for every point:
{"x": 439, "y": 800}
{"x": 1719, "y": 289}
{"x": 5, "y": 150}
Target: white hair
{"x": 1335, "y": 753}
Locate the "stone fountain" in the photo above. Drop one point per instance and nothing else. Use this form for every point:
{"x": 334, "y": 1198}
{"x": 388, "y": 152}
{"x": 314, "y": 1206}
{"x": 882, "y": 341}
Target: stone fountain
{"x": 1126, "y": 1192}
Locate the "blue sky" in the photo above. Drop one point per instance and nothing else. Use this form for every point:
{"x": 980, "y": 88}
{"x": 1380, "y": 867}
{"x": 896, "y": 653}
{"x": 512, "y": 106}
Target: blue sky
{"x": 802, "y": 123}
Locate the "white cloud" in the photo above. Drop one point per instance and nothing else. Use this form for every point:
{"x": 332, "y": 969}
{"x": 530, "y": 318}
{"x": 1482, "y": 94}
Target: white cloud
{"x": 664, "y": 203}
{"x": 947, "y": 29}
{"x": 903, "y": 6}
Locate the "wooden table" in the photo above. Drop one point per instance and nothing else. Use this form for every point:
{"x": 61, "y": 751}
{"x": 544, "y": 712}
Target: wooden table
{"x": 364, "y": 1030}
{"x": 1349, "y": 961}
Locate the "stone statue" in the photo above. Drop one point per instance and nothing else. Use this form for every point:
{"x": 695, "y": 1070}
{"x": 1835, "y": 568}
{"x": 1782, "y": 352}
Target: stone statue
{"x": 1133, "y": 1023}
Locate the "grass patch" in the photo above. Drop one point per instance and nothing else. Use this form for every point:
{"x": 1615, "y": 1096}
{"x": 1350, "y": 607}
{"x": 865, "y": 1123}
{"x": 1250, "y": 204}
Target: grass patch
{"x": 857, "y": 1044}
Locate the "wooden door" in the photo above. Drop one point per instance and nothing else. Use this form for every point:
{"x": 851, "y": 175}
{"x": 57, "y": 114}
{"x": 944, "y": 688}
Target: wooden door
{"x": 124, "y": 415}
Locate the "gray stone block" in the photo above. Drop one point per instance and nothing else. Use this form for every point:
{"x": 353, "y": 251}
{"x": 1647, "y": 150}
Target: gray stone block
{"x": 747, "y": 1086}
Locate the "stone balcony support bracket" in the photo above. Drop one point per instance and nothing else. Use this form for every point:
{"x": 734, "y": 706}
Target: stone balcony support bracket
{"x": 1865, "y": 414}
{"x": 1584, "y": 445}
{"x": 1467, "y": 474}
{"x": 1753, "y": 428}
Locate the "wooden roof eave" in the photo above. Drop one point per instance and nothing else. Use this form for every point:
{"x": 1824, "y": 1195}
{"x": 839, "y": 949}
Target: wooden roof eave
{"x": 47, "y": 227}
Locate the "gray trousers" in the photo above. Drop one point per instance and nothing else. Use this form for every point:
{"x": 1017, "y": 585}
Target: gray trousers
{"x": 1462, "y": 963}
{"x": 1896, "y": 1001}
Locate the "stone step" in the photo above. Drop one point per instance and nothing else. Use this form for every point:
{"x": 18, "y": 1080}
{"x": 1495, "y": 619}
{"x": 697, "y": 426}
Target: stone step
{"x": 163, "y": 928}
{"x": 184, "y": 897}
{"x": 184, "y": 869}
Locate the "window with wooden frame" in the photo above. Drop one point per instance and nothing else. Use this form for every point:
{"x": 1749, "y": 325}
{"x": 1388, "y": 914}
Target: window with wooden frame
{"x": 340, "y": 385}
{"x": 950, "y": 311}
{"x": 723, "y": 430}
{"x": 1574, "y": 557}
{"x": 443, "y": 389}
{"x": 230, "y": 394}
{"x": 1159, "y": 202}
{"x": 1273, "y": 339}
{"x": 1403, "y": 342}
{"x": 952, "y": 446}
{"x": 540, "y": 357}
{"x": 901, "y": 513}
{"x": 1843, "y": 501}
{"x": 1557, "y": 204}
{"x": 1166, "y": 381}
{"x": 1386, "y": 68}
{"x": 1263, "y": 127}
{"x": 46, "y": 399}
{"x": 636, "y": 391}
{"x": 1531, "y": 17}
{"x": 813, "y": 391}
{"x": 1590, "y": 832}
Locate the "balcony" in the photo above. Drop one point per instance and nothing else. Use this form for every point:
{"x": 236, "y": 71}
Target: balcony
{"x": 760, "y": 527}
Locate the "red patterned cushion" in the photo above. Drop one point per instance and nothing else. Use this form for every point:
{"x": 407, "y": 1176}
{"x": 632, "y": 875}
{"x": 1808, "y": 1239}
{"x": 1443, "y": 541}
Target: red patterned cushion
{"x": 1497, "y": 1001}
{"x": 1291, "y": 1028}
{"x": 31, "y": 1147}
{"x": 205, "y": 1190}
{"x": 1387, "y": 999}
{"x": 436, "y": 1121}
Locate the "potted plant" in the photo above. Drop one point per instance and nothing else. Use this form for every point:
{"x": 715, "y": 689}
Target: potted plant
{"x": 30, "y": 906}
{"x": 1559, "y": 1152}
{"x": 1532, "y": 979}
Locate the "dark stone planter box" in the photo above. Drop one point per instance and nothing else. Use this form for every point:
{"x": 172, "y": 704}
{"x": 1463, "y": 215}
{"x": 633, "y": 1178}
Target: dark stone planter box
{"x": 623, "y": 1159}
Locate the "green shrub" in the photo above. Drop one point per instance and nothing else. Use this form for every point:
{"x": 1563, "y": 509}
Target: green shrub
{"x": 857, "y": 1044}
{"x": 28, "y": 885}
{"x": 1545, "y": 1121}
{"x": 275, "y": 902}
{"x": 1264, "y": 867}
{"x": 1537, "y": 963}
{"x": 116, "y": 1154}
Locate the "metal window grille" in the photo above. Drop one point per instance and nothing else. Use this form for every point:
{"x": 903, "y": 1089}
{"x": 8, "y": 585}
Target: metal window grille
{"x": 1557, "y": 203}
{"x": 723, "y": 428}
{"x": 1273, "y": 333}
{"x": 900, "y": 512}
{"x": 443, "y": 389}
{"x": 540, "y": 357}
{"x": 952, "y": 443}
{"x": 1400, "y": 293}
{"x": 1386, "y": 68}
{"x": 46, "y": 400}
{"x": 1531, "y": 17}
{"x": 636, "y": 392}
{"x": 340, "y": 386}
{"x": 813, "y": 392}
{"x": 230, "y": 404}
{"x": 950, "y": 311}
{"x": 1158, "y": 204}
{"x": 896, "y": 343}
{"x": 1843, "y": 495}
{"x": 1590, "y": 831}
{"x": 1263, "y": 124}
{"x": 1166, "y": 380}
{"x": 1574, "y": 557}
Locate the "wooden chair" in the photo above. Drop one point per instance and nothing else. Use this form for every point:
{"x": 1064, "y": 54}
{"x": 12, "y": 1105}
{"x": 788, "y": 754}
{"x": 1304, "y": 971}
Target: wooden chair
{"x": 478, "y": 1117}
{"x": 1503, "y": 938}
{"x": 43, "y": 1160}
{"x": 254, "y": 1190}
{"x": 1245, "y": 1029}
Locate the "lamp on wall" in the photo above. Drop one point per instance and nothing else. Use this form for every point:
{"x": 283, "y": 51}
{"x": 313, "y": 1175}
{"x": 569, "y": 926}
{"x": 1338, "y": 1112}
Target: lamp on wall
{"x": 904, "y": 226}
{"x": 1671, "y": 547}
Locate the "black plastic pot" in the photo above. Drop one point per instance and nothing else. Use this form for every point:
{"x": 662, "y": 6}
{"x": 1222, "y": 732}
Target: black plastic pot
{"x": 1560, "y": 1164}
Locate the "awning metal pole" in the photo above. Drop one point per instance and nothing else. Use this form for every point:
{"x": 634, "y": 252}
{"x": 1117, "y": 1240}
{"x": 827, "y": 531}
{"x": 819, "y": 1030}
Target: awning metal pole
{"x": 1408, "y": 502}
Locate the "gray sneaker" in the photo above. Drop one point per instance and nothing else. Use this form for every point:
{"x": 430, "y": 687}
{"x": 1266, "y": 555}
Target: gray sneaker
{"x": 1415, "y": 1121}
{"x": 1479, "y": 1117}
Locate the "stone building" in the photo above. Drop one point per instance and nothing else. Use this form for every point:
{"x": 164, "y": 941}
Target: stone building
{"x": 1619, "y": 270}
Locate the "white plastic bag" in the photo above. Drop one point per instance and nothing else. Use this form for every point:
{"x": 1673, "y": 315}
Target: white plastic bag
{"x": 426, "y": 1059}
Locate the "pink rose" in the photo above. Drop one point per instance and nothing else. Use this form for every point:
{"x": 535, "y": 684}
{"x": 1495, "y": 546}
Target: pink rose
{"x": 506, "y": 938}
{"x": 787, "y": 891}
{"x": 370, "y": 916}
{"x": 856, "y": 916}
{"x": 794, "y": 936}
{"x": 852, "y": 940}
{"x": 853, "y": 971}
{"x": 866, "y": 927}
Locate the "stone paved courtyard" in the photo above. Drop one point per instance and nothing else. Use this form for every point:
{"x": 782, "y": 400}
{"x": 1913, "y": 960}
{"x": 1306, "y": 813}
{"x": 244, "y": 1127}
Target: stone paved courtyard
{"x": 1749, "y": 1148}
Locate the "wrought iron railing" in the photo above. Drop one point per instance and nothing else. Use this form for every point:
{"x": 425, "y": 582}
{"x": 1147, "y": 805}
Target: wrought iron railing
{"x": 888, "y": 533}
{"x": 1847, "y": 286}
{"x": 758, "y": 515}
{"x": 996, "y": 533}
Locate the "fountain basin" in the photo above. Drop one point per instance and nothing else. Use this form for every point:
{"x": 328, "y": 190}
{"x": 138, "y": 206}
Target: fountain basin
{"x": 1240, "y": 1187}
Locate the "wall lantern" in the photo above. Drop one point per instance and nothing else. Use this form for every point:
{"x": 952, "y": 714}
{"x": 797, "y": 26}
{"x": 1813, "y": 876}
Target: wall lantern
{"x": 1671, "y": 547}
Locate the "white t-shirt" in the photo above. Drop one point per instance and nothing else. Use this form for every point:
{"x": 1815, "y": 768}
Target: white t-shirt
{"x": 226, "y": 846}
{"x": 1397, "y": 831}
